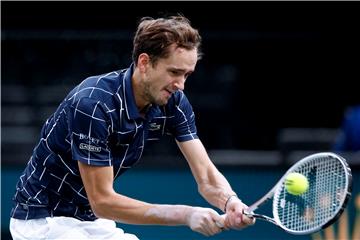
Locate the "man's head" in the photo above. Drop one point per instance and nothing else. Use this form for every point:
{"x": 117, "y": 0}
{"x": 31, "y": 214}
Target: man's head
{"x": 165, "y": 54}
{"x": 155, "y": 36}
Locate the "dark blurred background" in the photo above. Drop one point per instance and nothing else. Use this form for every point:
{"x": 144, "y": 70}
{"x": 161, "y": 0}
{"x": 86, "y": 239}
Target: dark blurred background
{"x": 273, "y": 85}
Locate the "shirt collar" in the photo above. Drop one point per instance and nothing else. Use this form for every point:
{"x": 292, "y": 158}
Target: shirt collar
{"x": 130, "y": 104}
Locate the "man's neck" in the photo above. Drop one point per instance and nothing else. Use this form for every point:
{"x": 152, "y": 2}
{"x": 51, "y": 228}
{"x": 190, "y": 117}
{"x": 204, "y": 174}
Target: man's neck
{"x": 140, "y": 102}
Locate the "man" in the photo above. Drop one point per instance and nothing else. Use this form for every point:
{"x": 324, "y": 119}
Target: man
{"x": 100, "y": 130}
{"x": 348, "y": 138}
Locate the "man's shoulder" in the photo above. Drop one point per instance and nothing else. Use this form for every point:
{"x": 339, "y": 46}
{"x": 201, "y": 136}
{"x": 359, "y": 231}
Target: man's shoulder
{"x": 101, "y": 80}
{"x": 100, "y": 87}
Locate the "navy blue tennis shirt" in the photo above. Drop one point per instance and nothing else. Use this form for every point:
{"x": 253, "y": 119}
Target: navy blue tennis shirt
{"x": 99, "y": 124}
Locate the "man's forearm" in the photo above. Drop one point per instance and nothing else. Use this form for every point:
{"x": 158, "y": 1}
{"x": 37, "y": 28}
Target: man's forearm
{"x": 212, "y": 184}
{"x": 216, "y": 192}
{"x": 168, "y": 214}
{"x": 123, "y": 209}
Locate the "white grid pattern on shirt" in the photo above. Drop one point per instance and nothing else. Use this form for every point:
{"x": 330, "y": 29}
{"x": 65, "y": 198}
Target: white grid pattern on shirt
{"x": 187, "y": 123}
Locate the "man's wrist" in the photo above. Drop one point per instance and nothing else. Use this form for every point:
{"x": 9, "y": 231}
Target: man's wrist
{"x": 228, "y": 200}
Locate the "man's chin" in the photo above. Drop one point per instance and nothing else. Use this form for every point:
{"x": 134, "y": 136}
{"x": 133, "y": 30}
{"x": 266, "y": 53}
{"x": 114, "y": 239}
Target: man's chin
{"x": 162, "y": 102}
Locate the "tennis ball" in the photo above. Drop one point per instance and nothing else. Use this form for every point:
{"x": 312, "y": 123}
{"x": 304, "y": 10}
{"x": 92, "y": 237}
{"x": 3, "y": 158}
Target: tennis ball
{"x": 296, "y": 183}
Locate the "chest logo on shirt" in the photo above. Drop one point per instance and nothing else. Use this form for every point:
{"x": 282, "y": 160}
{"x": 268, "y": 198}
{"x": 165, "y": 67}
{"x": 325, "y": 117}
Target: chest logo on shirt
{"x": 154, "y": 126}
{"x": 89, "y": 147}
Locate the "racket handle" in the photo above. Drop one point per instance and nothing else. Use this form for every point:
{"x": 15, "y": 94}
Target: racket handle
{"x": 248, "y": 214}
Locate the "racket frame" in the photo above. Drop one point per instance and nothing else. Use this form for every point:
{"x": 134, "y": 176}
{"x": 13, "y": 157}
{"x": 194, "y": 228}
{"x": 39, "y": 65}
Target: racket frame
{"x": 275, "y": 220}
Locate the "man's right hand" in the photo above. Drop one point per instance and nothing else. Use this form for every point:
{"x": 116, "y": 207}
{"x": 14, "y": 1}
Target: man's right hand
{"x": 203, "y": 220}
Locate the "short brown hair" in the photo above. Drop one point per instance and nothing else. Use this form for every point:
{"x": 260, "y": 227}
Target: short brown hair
{"x": 154, "y": 37}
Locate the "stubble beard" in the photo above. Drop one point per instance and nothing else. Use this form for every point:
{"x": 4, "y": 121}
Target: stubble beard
{"x": 150, "y": 97}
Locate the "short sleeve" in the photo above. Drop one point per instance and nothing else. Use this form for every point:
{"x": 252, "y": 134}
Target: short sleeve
{"x": 182, "y": 124}
{"x": 89, "y": 124}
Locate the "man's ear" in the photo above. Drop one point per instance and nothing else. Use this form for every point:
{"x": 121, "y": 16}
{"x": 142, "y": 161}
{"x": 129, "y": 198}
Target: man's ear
{"x": 143, "y": 62}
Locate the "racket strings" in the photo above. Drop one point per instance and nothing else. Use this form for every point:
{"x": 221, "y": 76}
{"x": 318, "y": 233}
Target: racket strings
{"x": 327, "y": 186}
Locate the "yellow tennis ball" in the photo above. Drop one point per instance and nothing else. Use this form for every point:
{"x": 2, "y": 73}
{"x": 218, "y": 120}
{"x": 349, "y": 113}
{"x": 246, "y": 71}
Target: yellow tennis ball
{"x": 296, "y": 183}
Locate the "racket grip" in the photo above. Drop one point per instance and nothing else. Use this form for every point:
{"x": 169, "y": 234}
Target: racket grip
{"x": 248, "y": 214}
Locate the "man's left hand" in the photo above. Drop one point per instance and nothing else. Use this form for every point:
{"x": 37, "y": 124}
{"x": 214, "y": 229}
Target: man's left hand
{"x": 235, "y": 219}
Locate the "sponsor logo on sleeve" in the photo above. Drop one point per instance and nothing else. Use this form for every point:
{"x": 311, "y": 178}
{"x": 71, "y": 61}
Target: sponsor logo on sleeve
{"x": 89, "y": 147}
{"x": 91, "y": 139}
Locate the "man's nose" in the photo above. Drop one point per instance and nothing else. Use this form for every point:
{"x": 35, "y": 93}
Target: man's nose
{"x": 179, "y": 84}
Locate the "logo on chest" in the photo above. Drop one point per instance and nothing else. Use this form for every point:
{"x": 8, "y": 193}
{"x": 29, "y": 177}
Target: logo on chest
{"x": 154, "y": 127}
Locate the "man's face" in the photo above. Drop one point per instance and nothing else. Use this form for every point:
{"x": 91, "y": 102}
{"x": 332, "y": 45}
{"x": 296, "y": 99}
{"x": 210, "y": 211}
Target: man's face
{"x": 168, "y": 75}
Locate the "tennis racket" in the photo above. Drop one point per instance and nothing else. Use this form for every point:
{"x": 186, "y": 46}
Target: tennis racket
{"x": 330, "y": 182}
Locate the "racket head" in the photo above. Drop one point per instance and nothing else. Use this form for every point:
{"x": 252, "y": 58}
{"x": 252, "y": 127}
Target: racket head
{"x": 330, "y": 185}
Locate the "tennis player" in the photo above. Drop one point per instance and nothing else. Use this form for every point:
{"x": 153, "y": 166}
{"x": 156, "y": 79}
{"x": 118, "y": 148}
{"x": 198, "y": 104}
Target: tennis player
{"x": 100, "y": 130}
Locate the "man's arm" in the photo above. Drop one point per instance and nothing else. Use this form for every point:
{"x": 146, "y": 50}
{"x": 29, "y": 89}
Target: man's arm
{"x": 212, "y": 185}
{"x": 106, "y": 203}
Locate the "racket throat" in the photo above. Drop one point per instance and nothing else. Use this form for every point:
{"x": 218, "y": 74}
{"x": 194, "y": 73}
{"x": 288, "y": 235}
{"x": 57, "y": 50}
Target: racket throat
{"x": 261, "y": 217}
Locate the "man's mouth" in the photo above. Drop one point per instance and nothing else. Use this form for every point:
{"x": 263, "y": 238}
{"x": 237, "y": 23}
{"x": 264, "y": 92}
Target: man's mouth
{"x": 170, "y": 92}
